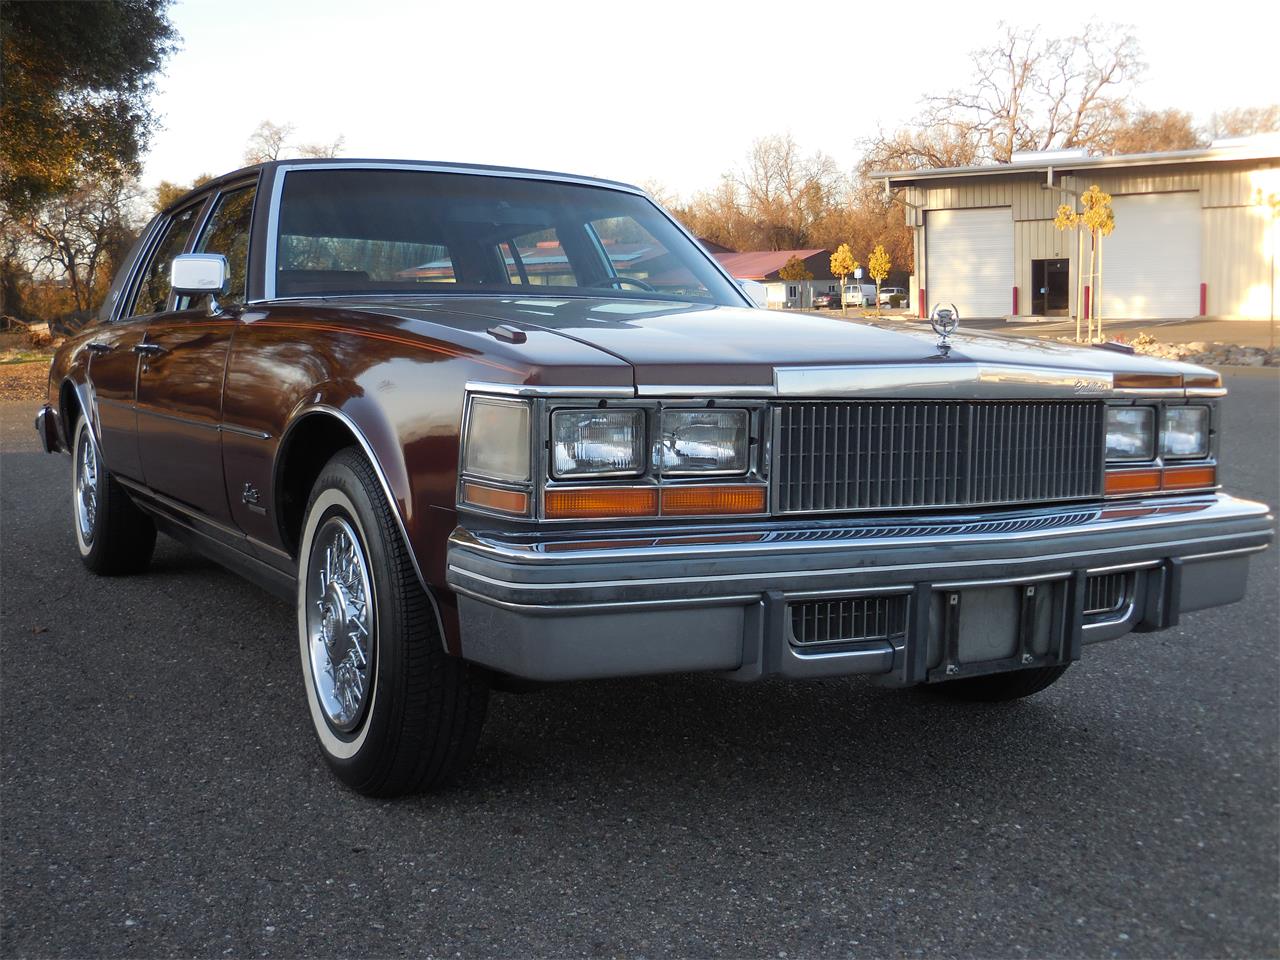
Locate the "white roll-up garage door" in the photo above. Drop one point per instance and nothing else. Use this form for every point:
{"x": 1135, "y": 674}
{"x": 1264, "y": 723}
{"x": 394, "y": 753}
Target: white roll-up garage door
{"x": 970, "y": 260}
{"x": 1151, "y": 262}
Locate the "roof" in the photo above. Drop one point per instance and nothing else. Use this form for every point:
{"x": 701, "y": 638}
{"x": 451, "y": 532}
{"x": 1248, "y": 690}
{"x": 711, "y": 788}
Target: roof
{"x": 756, "y": 265}
{"x": 437, "y": 166}
{"x": 1257, "y": 148}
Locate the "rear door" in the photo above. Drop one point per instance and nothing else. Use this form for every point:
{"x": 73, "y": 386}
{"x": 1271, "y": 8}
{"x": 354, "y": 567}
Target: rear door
{"x": 114, "y": 357}
{"x": 180, "y": 378}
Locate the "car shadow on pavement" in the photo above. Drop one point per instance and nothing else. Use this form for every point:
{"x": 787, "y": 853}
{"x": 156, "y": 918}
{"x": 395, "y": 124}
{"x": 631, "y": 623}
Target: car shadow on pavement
{"x": 753, "y": 746}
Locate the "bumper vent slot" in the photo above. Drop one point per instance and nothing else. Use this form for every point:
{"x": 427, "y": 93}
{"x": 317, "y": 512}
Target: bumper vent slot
{"x": 874, "y": 455}
{"x": 1105, "y": 593}
{"x": 848, "y": 620}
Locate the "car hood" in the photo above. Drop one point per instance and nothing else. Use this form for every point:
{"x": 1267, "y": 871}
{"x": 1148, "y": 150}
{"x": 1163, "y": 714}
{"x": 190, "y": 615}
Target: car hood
{"x": 678, "y": 344}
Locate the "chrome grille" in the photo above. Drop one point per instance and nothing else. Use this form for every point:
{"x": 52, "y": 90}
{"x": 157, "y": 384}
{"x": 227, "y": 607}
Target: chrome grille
{"x": 848, "y": 620}
{"x": 1104, "y": 593}
{"x": 870, "y": 455}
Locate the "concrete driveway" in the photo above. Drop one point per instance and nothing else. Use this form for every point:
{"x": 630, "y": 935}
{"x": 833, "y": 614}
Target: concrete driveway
{"x": 162, "y": 795}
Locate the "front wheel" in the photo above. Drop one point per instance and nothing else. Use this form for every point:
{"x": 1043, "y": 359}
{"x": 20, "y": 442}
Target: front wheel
{"x": 394, "y": 713}
{"x": 996, "y": 687}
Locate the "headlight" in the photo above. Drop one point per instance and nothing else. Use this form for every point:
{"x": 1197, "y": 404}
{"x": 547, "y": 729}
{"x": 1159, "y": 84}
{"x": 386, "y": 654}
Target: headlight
{"x": 1131, "y": 433}
{"x": 1186, "y": 432}
{"x": 498, "y": 440}
{"x": 597, "y": 443}
{"x": 704, "y": 442}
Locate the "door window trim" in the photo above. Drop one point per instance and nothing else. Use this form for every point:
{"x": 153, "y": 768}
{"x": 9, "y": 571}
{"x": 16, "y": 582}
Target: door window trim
{"x": 158, "y": 231}
{"x": 211, "y": 204}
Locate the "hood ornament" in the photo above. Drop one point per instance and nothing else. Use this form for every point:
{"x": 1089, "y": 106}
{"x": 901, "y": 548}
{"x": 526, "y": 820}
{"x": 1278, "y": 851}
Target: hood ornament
{"x": 944, "y": 320}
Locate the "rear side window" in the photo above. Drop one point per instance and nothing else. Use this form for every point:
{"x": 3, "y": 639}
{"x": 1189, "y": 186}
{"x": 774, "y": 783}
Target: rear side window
{"x": 153, "y": 288}
{"x": 227, "y": 233}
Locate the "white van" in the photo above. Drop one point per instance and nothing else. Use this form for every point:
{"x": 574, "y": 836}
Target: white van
{"x": 852, "y": 297}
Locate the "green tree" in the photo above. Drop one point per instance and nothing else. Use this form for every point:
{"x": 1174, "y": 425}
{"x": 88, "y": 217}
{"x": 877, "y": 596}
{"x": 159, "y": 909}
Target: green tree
{"x": 794, "y": 269}
{"x": 77, "y": 84}
{"x": 878, "y": 265}
{"x": 166, "y": 191}
{"x": 843, "y": 264}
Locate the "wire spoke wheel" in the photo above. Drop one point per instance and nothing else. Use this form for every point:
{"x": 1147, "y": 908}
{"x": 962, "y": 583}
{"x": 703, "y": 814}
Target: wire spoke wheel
{"x": 340, "y": 623}
{"x": 86, "y": 486}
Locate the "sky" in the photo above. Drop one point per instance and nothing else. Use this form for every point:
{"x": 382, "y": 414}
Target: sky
{"x": 660, "y": 92}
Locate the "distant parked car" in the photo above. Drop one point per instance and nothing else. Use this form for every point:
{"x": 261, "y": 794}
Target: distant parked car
{"x": 888, "y": 292}
{"x": 826, "y": 301}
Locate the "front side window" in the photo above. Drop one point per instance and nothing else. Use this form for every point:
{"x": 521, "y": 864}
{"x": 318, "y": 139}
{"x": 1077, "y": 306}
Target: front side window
{"x": 153, "y": 288}
{"x": 227, "y": 233}
{"x": 365, "y": 231}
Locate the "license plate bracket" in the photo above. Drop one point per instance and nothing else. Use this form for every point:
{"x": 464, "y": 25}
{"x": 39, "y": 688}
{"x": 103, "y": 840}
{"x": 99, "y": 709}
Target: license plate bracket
{"x": 978, "y": 629}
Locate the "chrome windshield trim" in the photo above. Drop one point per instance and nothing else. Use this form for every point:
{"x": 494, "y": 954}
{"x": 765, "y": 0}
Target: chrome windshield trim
{"x": 943, "y": 380}
{"x": 540, "y": 390}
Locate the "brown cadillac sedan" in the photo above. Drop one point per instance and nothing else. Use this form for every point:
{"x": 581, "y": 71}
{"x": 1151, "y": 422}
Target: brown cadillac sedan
{"x": 485, "y": 426}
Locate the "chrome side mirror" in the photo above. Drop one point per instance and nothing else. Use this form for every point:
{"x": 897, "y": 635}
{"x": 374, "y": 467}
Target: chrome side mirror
{"x": 756, "y": 290}
{"x": 194, "y": 274}
{"x": 197, "y": 274}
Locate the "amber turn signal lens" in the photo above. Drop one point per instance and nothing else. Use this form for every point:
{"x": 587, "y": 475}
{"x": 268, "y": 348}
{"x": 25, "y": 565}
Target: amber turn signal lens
{"x": 1148, "y": 381}
{"x": 1201, "y": 380}
{"x": 698, "y": 501}
{"x": 493, "y": 498}
{"x": 584, "y": 503}
{"x": 1189, "y": 478}
{"x": 1132, "y": 481}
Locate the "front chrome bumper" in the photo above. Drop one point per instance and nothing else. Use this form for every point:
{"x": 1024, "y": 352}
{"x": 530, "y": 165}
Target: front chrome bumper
{"x": 47, "y": 428}
{"x": 717, "y": 599}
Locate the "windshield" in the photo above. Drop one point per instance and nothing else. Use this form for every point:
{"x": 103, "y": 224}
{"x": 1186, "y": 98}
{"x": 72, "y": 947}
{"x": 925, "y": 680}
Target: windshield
{"x": 366, "y": 231}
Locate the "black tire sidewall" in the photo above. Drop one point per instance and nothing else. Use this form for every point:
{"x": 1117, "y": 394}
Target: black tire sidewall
{"x": 360, "y": 756}
{"x": 91, "y": 553}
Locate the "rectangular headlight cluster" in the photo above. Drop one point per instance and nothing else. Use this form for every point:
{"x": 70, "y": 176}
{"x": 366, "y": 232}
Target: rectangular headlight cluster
{"x": 597, "y": 443}
{"x": 612, "y": 443}
{"x": 1132, "y": 434}
{"x": 704, "y": 442}
{"x": 1185, "y": 432}
{"x": 635, "y": 449}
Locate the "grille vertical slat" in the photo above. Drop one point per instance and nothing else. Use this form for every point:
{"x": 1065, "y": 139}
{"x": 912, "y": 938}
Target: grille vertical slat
{"x": 868, "y": 455}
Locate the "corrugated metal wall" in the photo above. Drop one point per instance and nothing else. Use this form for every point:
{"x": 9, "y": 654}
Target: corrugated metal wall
{"x": 1236, "y": 251}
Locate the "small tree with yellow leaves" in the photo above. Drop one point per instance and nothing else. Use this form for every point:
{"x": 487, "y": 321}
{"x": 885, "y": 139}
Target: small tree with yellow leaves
{"x": 1068, "y": 219}
{"x": 794, "y": 269}
{"x": 1099, "y": 220}
{"x": 843, "y": 264}
{"x": 878, "y": 264}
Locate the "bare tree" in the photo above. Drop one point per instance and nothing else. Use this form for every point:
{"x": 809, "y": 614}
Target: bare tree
{"x": 271, "y": 141}
{"x": 1245, "y": 121}
{"x": 786, "y": 191}
{"x": 267, "y": 142}
{"x": 1025, "y": 92}
{"x": 79, "y": 238}
{"x": 331, "y": 149}
{"x": 1146, "y": 131}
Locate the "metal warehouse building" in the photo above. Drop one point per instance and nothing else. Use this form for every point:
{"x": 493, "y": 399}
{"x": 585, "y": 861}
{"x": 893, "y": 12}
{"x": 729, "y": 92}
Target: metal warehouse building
{"x": 1194, "y": 235}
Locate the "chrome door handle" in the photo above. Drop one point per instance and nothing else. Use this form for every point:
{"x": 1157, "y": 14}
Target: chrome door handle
{"x": 148, "y": 349}
{"x": 98, "y": 348}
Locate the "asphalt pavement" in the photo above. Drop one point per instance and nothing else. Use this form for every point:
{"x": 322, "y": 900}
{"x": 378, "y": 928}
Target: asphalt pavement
{"x": 161, "y": 793}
